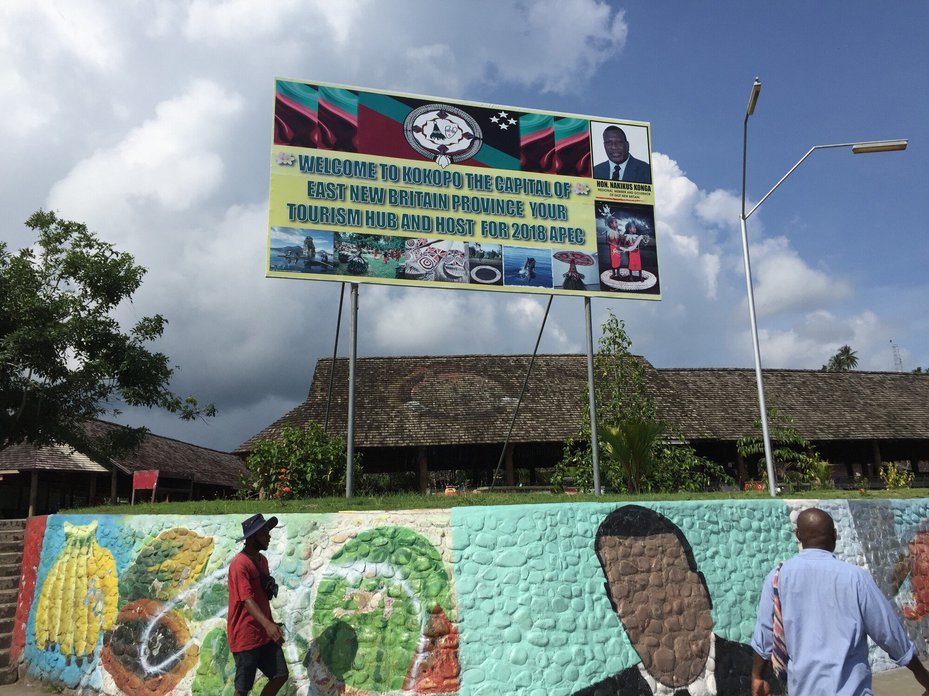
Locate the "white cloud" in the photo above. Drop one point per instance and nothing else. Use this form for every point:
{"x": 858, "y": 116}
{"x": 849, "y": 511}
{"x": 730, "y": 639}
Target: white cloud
{"x": 784, "y": 281}
{"x": 171, "y": 160}
{"x": 167, "y": 159}
{"x": 820, "y": 334}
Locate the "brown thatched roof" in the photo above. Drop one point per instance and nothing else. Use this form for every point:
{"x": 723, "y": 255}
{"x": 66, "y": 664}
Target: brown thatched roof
{"x": 25, "y": 457}
{"x": 722, "y": 404}
{"x": 469, "y": 399}
{"x": 461, "y": 399}
{"x": 173, "y": 459}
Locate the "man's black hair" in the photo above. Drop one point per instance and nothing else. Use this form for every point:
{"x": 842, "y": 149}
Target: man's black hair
{"x": 610, "y": 129}
{"x": 637, "y": 521}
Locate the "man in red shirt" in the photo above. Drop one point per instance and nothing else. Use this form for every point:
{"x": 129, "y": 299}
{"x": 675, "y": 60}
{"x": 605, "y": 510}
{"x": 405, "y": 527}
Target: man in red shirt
{"x": 254, "y": 639}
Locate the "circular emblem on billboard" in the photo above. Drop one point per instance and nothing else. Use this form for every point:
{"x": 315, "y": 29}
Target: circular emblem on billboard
{"x": 443, "y": 132}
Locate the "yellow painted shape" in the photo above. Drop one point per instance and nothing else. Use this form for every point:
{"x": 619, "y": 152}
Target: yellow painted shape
{"x": 80, "y": 595}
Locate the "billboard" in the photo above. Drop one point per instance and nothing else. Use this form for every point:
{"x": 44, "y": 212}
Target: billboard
{"x": 397, "y": 189}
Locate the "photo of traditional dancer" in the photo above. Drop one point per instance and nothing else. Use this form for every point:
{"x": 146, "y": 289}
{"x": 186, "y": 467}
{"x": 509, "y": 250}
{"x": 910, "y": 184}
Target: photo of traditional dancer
{"x": 486, "y": 264}
{"x": 626, "y": 248}
{"x": 575, "y": 270}
{"x": 434, "y": 260}
{"x": 527, "y": 267}
{"x": 299, "y": 250}
{"x": 369, "y": 255}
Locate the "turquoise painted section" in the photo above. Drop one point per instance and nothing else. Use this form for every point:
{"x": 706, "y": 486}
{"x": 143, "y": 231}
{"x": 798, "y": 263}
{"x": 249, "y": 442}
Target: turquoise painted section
{"x": 534, "y": 608}
{"x": 473, "y": 600}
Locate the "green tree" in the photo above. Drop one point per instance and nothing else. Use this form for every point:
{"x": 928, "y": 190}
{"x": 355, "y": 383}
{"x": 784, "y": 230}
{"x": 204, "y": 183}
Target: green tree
{"x": 300, "y": 463}
{"x": 631, "y": 445}
{"x": 64, "y": 359}
{"x": 796, "y": 460}
{"x": 845, "y": 359}
{"x": 633, "y": 438}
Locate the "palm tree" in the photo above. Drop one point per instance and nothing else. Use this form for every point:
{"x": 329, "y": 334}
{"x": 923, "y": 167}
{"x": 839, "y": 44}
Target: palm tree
{"x": 631, "y": 445}
{"x": 844, "y": 360}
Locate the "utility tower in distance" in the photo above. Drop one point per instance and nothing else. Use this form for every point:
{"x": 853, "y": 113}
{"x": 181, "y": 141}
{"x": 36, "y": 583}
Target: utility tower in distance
{"x": 898, "y": 361}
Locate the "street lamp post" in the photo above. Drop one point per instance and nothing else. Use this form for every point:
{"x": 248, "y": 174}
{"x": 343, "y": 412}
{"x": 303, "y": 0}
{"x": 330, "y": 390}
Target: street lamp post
{"x": 857, "y": 148}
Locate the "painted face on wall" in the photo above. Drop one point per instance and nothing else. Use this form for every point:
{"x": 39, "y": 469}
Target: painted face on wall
{"x": 662, "y": 603}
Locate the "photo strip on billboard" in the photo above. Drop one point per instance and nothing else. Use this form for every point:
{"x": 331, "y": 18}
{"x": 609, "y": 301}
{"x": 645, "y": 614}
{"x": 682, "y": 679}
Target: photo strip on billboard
{"x": 398, "y": 189}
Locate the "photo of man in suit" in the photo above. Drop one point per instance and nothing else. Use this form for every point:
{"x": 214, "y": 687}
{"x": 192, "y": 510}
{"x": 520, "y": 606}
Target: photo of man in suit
{"x": 620, "y": 164}
{"x": 664, "y": 605}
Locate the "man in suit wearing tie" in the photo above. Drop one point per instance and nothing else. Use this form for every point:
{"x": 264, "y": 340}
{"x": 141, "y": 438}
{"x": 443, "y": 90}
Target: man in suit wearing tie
{"x": 621, "y": 166}
{"x": 664, "y": 605}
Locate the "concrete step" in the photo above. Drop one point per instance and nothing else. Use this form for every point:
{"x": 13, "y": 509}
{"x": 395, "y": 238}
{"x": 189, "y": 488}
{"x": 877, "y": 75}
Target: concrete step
{"x": 9, "y": 596}
{"x": 6, "y": 640}
{"x": 12, "y": 524}
{"x": 11, "y": 558}
{"x": 12, "y": 542}
{"x": 6, "y": 624}
{"x": 7, "y": 613}
{"x": 5, "y": 657}
{"x": 11, "y": 570}
{"x": 9, "y": 582}
{"x": 9, "y": 675}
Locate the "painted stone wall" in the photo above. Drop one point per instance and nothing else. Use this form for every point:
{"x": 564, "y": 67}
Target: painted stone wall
{"x": 535, "y": 599}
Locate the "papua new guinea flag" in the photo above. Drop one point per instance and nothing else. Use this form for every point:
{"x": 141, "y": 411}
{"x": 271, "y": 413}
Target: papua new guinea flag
{"x": 380, "y": 130}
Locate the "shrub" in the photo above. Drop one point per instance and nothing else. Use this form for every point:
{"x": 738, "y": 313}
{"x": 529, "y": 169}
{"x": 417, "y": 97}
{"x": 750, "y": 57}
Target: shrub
{"x": 300, "y": 463}
{"x": 895, "y": 476}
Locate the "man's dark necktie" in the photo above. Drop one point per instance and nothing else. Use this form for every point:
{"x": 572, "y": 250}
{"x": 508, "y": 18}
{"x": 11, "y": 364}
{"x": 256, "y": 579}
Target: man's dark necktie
{"x": 779, "y": 655}
{"x": 615, "y": 176}
{"x": 682, "y": 692}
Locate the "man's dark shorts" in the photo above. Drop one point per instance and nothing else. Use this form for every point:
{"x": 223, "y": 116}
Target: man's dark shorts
{"x": 269, "y": 658}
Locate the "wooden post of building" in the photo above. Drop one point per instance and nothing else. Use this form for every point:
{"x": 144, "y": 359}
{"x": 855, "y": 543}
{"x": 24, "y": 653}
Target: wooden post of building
{"x": 876, "y": 457}
{"x": 740, "y": 468}
{"x": 33, "y": 491}
{"x": 509, "y": 479}
{"x": 422, "y": 470}
{"x": 113, "y": 486}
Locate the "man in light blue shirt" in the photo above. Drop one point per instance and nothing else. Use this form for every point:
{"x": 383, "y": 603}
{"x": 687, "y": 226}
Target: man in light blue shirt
{"x": 828, "y": 609}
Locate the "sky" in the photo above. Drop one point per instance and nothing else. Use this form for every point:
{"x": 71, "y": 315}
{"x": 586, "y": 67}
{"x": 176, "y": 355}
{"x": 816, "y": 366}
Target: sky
{"x": 151, "y": 122}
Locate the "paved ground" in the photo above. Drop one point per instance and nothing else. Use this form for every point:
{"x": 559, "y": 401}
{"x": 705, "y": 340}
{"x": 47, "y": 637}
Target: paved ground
{"x": 896, "y": 682}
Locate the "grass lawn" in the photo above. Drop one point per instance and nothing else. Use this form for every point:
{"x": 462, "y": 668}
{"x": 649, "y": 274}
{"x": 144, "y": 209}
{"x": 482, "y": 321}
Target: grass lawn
{"x": 414, "y": 501}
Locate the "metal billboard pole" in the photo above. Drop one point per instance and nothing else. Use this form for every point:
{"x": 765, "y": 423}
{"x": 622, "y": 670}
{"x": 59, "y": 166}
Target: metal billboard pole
{"x": 352, "y": 353}
{"x": 592, "y": 396}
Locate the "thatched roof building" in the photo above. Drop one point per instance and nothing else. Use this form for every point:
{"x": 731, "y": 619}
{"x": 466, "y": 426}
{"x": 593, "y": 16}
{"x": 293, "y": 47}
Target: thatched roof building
{"x": 454, "y": 412}
{"x": 45, "y": 479}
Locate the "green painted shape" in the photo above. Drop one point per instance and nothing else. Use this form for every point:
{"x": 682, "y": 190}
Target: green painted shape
{"x": 367, "y": 629}
{"x": 533, "y": 123}
{"x": 216, "y": 668}
{"x": 299, "y": 92}
{"x": 344, "y": 99}
{"x": 385, "y": 105}
{"x": 497, "y": 159}
{"x": 569, "y": 127}
{"x": 165, "y": 565}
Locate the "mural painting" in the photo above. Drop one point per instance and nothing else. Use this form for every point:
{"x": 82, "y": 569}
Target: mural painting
{"x": 652, "y": 598}
{"x": 136, "y": 605}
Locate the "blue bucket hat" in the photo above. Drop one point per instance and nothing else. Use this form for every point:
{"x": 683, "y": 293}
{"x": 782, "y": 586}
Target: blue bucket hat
{"x": 256, "y": 523}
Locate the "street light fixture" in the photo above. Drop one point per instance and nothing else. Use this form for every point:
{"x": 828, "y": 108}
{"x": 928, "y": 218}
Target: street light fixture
{"x": 857, "y": 148}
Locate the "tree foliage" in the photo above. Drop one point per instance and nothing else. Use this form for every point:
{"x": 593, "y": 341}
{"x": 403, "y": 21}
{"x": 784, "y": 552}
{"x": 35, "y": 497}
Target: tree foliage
{"x": 64, "y": 359}
{"x": 796, "y": 460}
{"x": 300, "y": 463}
{"x": 844, "y": 360}
{"x": 638, "y": 456}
